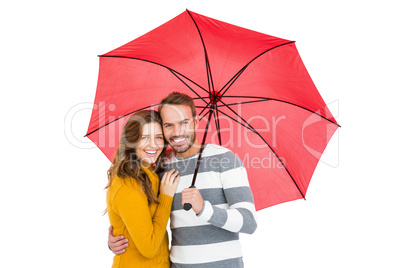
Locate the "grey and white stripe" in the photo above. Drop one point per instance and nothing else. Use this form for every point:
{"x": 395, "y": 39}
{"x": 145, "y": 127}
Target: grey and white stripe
{"x": 228, "y": 210}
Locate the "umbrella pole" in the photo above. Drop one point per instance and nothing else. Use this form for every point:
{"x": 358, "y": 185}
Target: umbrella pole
{"x": 187, "y": 206}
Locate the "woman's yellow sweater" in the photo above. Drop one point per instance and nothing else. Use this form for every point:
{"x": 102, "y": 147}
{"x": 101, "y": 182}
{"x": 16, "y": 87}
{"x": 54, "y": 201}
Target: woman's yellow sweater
{"x": 144, "y": 225}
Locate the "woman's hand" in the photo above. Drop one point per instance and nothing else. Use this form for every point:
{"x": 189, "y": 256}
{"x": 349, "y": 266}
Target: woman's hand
{"x": 169, "y": 182}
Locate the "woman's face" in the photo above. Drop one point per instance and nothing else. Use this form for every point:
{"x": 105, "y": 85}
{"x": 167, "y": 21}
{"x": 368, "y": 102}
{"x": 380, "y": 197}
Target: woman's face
{"x": 151, "y": 143}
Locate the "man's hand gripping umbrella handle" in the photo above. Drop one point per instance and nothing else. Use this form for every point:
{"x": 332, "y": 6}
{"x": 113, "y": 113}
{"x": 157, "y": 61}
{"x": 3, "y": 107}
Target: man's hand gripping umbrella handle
{"x": 188, "y": 206}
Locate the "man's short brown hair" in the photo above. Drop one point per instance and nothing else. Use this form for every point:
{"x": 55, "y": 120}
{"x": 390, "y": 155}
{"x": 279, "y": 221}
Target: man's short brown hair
{"x": 178, "y": 98}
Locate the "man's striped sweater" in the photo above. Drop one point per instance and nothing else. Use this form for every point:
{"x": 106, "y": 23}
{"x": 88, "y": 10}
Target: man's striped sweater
{"x": 211, "y": 239}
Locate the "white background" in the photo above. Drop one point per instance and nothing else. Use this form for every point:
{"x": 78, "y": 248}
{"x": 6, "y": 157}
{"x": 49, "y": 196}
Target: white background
{"x": 51, "y": 191}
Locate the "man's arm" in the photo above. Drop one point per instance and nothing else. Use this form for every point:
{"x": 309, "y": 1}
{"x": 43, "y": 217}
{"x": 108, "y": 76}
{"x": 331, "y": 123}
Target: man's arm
{"x": 117, "y": 244}
{"x": 240, "y": 216}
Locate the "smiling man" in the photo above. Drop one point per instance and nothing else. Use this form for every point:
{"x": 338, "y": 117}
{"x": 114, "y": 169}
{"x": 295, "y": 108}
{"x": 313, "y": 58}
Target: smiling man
{"x": 179, "y": 127}
{"x": 222, "y": 203}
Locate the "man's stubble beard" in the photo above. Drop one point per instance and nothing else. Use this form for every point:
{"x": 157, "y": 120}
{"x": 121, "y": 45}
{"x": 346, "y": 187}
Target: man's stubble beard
{"x": 186, "y": 147}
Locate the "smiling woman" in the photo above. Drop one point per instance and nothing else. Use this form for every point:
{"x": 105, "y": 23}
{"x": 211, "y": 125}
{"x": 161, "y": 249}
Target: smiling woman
{"x": 141, "y": 133}
{"x": 134, "y": 207}
{"x": 151, "y": 143}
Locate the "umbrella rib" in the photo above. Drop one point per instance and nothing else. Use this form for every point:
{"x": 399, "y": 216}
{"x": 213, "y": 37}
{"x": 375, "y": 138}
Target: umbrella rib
{"x": 170, "y": 69}
{"x": 245, "y": 66}
{"x": 243, "y": 102}
{"x": 256, "y": 132}
{"x": 208, "y": 67}
{"x": 270, "y": 99}
{"x": 188, "y": 86}
{"x": 217, "y": 125}
{"x": 204, "y": 108}
{"x": 120, "y": 117}
{"x": 175, "y": 73}
{"x": 207, "y": 97}
{"x": 249, "y": 128}
{"x": 232, "y": 80}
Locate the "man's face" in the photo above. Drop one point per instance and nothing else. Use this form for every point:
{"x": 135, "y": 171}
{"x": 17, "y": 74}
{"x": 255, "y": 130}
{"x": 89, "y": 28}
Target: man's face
{"x": 179, "y": 127}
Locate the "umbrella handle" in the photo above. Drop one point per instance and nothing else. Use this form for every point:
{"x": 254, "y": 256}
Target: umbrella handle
{"x": 188, "y": 206}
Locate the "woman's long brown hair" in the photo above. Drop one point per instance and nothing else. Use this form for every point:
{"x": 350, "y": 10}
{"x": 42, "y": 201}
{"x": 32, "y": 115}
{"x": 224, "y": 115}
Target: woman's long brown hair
{"x": 126, "y": 164}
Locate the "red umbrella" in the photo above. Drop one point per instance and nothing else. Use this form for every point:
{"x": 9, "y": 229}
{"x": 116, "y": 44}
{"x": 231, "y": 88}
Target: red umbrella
{"x": 259, "y": 98}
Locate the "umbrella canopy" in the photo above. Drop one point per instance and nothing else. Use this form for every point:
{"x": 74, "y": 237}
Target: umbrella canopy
{"x": 264, "y": 105}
